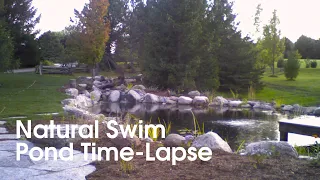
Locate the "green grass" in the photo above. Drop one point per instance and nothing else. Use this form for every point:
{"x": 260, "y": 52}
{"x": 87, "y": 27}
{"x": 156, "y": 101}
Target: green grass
{"x": 305, "y": 90}
{"x": 28, "y": 94}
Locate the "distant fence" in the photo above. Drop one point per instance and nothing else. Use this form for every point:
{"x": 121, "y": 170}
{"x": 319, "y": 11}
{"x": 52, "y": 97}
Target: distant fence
{"x": 60, "y": 70}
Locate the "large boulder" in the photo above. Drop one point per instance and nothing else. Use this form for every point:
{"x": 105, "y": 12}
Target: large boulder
{"x": 287, "y": 108}
{"x": 97, "y": 83}
{"x": 69, "y": 102}
{"x": 141, "y": 87}
{"x": 82, "y": 87}
{"x": 99, "y": 78}
{"x": 121, "y": 142}
{"x": 183, "y": 100}
{"x": 83, "y": 102}
{"x": 235, "y": 103}
{"x": 133, "y": 96}
{"x": 114, "y": 96}
{"x": 95, "y": 96}
{"x": 174, "y": 140}
{"x": 151, "y": 98}
{"x": 200, "y": 101}
{"x": 85, "y": 80}
{"x": 316, "y": 112}
{"x": 219, "y": 101}
{"x": 263, "y": 106}
{"x": 271, "y": 148}
{"x": 213, "y": 141}
{"x": 73, "y": 92}
{"x": 193, "y": 94}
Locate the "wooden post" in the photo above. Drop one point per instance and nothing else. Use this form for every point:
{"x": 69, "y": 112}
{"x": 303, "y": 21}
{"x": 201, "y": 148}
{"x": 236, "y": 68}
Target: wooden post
{"x": 283, "y": 136}
{"x": 73, "y": 83}
{"x": 40, "y": 68}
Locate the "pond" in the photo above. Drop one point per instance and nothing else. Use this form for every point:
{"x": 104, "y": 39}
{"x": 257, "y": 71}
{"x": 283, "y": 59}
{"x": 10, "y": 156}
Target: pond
{"x": 233, "y": 125}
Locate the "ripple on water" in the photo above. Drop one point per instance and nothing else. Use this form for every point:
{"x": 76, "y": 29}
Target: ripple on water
{"x": 240, "y": 122}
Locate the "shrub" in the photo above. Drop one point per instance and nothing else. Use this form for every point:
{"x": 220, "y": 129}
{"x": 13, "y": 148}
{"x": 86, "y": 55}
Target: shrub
{"x": 47, "y": 63}
{"x": 307, "y": 61}
{"x": 314, "y": 64}
{"x": 281, "y": 63}
{"x": 292, "y": 67}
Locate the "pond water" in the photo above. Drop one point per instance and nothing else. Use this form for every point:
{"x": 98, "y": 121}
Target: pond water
{"x": 233, "y": 125}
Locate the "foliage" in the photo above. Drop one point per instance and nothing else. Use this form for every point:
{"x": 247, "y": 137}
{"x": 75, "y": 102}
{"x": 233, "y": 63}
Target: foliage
{"x": 197, "y": 129}
{"x": 235, "y": 95}
{"x": 20, "y": 17}
{"x": 271, "y": 46}
{"x": 308, "y": 63}
{"x": 47, "y": 63}
{"x": 126, "y": 166}
{"x": 308, "y": 47}
{"x": 251, "y": 93}
{"x": 258, "y": 160}
{"x": 166, "y": 126}
{"x": 92, "y": 32}
{"x": 313, "y": 64}
{"x": 281, "y": 63}
{"x": 292, "y": 66}
{"x": 51, "y": 47}
{"x": 6, "y": 49}
{"x": 240, "y": 146}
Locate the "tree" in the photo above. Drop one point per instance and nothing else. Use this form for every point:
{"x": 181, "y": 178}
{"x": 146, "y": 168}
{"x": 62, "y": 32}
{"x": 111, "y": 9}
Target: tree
{"x": 92, "y": 33}
{"x": 272, "y": 46}
{"x": 292, "y": 67}
{"x": 289, "y": 46}
{"x": 237, "y": 56}
{"x": 308, "y": 48}
{"x": 20, "y": 17}
{"x": 51, "y": 47}
{"x": 6, "y": 49}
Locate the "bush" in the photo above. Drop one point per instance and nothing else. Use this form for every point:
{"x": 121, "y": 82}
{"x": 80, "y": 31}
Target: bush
{"x": 280, "y": 63}
{"x": 314, "y": 64}
{"x": 307, "y": 61}
{"x": 47, "y": 63}
{"x": 292, "y": 67}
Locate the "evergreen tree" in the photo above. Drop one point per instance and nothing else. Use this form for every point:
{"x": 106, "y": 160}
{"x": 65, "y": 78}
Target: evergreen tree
{"x": 292, "y": 67}
{"x": 51, "y": 47}
{"x": 21, "y": 19}
{"x": 237, "y": 56}
{"x": 6, "y": 48}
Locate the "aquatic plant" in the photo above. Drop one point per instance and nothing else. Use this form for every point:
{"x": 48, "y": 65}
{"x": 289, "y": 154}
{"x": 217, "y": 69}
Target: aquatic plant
{"x": 197, "y": 130}
{"x": 166, "y": 126}
{"x": 251, "y": 93}
{"x": 126, "y": 166}
{"x": 235, "y": 95}
{"x": 240, "y": 146}
{"x": 258, "y": 160}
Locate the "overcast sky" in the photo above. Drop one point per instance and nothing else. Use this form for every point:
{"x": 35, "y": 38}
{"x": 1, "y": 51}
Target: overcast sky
{"x": 297, "y": 17}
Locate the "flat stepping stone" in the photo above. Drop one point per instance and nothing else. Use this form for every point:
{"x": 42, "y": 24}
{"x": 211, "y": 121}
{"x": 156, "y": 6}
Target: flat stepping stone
{"x": 79, "y": 173}
{"x": 3, "y": 122}
{"x": 10, "y": 173}
{"x": 10, "y": 145}
{"x": 17, "y": 117}
{"x": 60, "y": 165}
{"x": 8, "y": 137}
{"x": 10, "y": 161}
{"x": 3, "y": 130}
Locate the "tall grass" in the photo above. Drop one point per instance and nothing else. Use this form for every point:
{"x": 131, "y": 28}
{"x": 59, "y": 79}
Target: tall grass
{"x": 197, "y": 130}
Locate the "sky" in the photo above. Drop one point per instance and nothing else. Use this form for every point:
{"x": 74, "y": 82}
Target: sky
{"x": 297, "y": 17}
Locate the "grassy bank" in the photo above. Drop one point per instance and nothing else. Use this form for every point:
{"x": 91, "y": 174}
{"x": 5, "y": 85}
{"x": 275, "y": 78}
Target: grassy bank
{"x": 305, "y": 90}
{"x": 28, "y": 94}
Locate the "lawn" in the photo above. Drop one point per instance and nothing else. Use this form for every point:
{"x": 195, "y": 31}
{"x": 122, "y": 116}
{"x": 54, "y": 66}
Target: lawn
{"x": 28, "y": 94}
{"x": 305, "y": 90}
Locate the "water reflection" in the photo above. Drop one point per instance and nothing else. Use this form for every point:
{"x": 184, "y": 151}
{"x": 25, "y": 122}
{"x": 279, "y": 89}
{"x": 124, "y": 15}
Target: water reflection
{"x": 233, "y": 125}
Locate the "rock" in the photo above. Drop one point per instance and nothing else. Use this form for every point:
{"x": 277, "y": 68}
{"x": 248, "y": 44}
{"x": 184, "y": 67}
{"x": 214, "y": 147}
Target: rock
{"x": 82, "y": 87}
{"x": 174, "y": 98}
{"x": 147, "y": 140}
{"x": 140, "y": 92}
{"x": 188, "y": 138}
{"x": 287, "y": 108}
{"x": 73, "y": 83}
{"x": 95, "y": 96}
{"x": 308, "y": 110}
{"x": 8, "y": 137}
{"x": 97, "y": 83}
{"x": 316, "y": 112}
{"x": 213, "y": 141}
{"x": 122, "y": 87}
{"x": 193, "y": 94}
{"x": 263, "y": 106}
{"x": 245, "y": 106}
{"x": 99, "y": 78}
{"x": 271, "y": 148}
{"x": 130, "y": 81}
{"x": 141, "y": 87}
{"x": 69, "y": 102}
{"x": 80, "y": 113}
{"x": 73, "y": 92}
{"x": 114, "y": 96}
{"x": 19, "y": 173}
{"x": 174, "y": 140}
{"x": 122, "y": 142}
{"x": 3, "y": 130}
{"x": 151, "y": 98}
{"x": 11, "y": 145}
{"x": 86, "y": 93}
{"x": 85, "y": 80}
{"x": 235, "y": 103}
{"x": 133, "y": 97}
{"x": 184, "y": 100}
{"x": 296, "y": 107}
{"x": 200, "y": 101}
{"x": 83, "y": 102}
{"x": 219, "y": 101}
